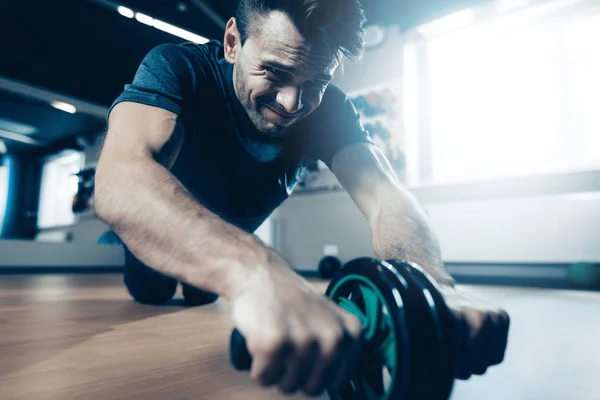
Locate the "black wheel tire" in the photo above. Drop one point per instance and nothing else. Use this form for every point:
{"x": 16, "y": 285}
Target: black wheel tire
{"x": 389, "y": 284}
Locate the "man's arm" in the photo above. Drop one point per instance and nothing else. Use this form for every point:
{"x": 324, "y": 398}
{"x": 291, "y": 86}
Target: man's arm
{"x": 400, "y": 230}
{"x": 153, "y": 213}
{"x": 399, "y": 225}
{"x": 167, "y": 229}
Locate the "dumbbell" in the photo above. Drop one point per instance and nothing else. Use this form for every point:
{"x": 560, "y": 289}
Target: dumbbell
{"x": 408, "y": 329}
{"x": 328, "y": 266}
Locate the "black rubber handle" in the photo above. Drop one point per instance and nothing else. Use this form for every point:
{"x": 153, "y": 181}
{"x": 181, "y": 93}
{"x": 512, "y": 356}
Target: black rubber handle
{"x": 240, "y": 357}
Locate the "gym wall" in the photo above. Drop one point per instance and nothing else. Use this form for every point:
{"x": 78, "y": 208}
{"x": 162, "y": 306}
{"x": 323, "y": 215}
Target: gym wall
{"x": 529, "y": 237}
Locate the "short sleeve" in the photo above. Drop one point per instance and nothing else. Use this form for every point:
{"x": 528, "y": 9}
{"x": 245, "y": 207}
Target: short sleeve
{"x": 164, "y": 79}
{"x": 334, "y": 125}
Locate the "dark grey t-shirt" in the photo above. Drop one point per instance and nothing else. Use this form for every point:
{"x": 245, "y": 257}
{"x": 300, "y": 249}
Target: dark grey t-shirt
{"x": 224, "y": 162}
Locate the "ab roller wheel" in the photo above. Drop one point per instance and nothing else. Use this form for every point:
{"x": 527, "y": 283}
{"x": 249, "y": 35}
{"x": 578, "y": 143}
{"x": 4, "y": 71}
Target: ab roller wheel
{"x": 408, "y": 331}
{"x": 369, "y": 290}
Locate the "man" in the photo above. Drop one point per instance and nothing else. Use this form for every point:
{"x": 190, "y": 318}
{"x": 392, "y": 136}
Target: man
{"x": 209, "y": 139}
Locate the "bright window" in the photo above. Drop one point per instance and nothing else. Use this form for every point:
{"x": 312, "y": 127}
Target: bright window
{"x": 59, "y": 186}
{"x": 514, "y": 96}
{"x": 581, "y": 42}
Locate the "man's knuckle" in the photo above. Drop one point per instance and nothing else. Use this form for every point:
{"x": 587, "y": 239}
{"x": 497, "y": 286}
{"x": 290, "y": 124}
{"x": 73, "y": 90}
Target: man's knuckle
{"x": 269, "y": 343}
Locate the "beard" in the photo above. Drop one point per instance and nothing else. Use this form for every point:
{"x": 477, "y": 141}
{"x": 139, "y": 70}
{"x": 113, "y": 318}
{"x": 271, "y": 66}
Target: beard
{"x": 262, "y": 125}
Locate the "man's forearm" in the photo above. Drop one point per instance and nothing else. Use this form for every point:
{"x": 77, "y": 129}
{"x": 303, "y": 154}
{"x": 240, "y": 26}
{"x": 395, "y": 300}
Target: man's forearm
{"x": 401, "y": 230}
{"x": 167, "y": 229}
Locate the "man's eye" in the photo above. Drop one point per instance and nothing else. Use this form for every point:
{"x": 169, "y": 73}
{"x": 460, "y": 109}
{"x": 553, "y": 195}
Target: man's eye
{"x": 274, "y": 72}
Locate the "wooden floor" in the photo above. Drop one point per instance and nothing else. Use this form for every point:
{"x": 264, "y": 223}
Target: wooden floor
{"x": 81, "y": 337}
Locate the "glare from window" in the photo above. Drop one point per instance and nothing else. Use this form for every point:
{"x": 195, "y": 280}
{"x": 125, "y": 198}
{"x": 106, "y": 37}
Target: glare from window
{"x": 59, "y": 186}
{"x": 514, "y": 99}
{"x": 448, "y": 23}
{"x": 509, "y": 5}
{"x": 411, "y": 114}
{"x": 583, "y": 85}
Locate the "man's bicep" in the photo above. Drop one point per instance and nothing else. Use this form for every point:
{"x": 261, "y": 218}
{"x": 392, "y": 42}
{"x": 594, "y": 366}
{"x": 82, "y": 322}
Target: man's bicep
{"x": 364, "y": 171}
{"x": 141, "y": 131}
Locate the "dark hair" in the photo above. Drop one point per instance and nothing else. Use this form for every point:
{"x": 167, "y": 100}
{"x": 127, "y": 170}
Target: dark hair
{"x": 337, "y": 24}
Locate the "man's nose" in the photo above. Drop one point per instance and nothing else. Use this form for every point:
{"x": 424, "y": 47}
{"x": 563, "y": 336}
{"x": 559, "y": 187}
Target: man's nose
{"x": 290, "y": 99}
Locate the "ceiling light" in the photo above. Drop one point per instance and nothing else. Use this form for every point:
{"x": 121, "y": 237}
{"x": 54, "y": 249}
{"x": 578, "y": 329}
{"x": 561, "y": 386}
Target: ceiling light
{"x": 69, "y": 108}
{"x": 144, "y": 19}
{"x": 161, "y": 25}
{"x": 126, "y": 12}
{"x": 182, "y": 33}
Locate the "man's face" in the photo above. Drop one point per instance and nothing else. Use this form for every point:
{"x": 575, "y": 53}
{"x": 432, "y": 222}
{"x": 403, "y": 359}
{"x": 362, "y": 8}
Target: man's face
{"x": 279, "y": 77}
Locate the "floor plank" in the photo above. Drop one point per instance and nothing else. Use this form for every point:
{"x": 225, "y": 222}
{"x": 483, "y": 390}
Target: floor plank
{"x": 80, "y": 336}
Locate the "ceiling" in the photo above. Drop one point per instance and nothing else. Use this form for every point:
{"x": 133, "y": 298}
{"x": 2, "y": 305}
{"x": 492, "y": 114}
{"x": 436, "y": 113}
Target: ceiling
{"x": 85, "y": 50}
{"x": 41, "y": 124}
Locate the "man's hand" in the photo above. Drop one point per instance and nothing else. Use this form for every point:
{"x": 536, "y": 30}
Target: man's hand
{"x": 482, "y": 332}
{"x": 299, "y": 339}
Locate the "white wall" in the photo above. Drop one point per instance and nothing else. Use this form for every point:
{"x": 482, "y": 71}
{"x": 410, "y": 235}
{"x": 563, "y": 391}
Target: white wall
{"x": 552, "y": 229}
{"x": 548, "y": 229}
{"x": 88, "y": 230}
{"x": 304, "y": 224}
{"x": 265, "y": 232}
{"x": 25, "y": 253}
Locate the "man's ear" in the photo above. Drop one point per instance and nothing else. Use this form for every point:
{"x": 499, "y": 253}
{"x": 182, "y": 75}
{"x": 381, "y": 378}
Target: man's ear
{"x": 232, "y": 41}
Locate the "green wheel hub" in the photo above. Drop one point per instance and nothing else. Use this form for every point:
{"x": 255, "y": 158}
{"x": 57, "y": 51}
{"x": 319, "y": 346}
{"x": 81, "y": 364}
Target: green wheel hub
{"x": 364, "y": 292}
